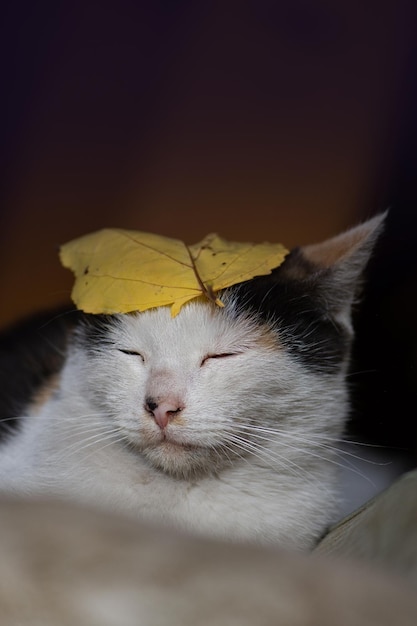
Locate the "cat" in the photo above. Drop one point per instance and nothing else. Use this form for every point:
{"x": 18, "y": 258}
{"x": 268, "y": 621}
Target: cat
{"x": 220, "y": 421}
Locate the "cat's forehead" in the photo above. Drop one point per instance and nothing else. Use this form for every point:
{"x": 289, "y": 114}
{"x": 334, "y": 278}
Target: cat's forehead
{"x": 196, "y": 323}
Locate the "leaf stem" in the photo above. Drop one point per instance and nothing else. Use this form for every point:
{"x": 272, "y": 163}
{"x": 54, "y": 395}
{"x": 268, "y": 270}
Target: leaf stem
{"x": 206, "y": 289}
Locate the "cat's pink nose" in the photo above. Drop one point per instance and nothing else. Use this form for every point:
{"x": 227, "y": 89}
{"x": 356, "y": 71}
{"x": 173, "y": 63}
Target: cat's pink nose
{"x": 163, "y": 412}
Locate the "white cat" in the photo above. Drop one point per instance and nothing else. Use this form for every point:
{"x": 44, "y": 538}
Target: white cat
{"x": 219, "y": 421}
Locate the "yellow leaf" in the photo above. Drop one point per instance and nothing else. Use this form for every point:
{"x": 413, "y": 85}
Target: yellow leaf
{"x": 119, "y": 271}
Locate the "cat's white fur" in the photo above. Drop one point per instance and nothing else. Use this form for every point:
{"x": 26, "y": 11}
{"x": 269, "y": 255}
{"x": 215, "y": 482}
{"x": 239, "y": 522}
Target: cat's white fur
{"x": 247, "y": 455}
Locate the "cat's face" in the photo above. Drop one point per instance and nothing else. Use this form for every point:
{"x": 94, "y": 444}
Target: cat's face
{"x": 262, "y": 377}
{"x": 195, "y": 392}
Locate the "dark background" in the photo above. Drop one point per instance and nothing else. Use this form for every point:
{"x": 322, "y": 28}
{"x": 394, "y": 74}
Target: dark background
{"x": 285, "y": 121}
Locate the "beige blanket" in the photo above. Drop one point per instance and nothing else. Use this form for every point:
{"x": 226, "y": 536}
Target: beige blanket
{"x": 63, "y": 565}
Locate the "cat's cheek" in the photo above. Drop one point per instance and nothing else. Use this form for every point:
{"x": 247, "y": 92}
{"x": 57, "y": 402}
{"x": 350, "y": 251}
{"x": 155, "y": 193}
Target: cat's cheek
{"x": 129, "y": 376}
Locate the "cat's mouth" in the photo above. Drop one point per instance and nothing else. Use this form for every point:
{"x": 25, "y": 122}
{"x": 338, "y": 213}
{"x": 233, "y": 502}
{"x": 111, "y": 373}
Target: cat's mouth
{"x": 168, "y": 442}
{"x": 181, "y": 459}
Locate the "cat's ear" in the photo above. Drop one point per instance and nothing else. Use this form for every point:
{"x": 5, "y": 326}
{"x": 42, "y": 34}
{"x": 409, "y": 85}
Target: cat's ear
{"x": 336, "y": 266}
{"x": 315, "y": 283}
{"x": 309, "y": 297}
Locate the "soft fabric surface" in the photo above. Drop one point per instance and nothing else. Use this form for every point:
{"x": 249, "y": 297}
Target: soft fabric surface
{"x": 383, "y": 531}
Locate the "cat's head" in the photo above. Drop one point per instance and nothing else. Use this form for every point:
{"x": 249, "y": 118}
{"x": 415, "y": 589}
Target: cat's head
{"x": 261, "y": 378}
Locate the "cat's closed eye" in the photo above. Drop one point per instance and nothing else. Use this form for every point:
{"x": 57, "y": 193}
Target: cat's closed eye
{"x": 132, "y": 353}
{"x": 222, "y": 355}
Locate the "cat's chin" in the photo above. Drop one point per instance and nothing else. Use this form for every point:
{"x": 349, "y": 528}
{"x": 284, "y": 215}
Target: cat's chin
{"x": 182, "y": 460}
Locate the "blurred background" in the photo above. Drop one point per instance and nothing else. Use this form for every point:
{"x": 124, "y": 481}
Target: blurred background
{"x": 286, "y": 121}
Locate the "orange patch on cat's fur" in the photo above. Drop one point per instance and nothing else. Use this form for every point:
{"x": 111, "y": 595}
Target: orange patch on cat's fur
{"x": 44, "y": 393}
{"x": 269, "y": 339}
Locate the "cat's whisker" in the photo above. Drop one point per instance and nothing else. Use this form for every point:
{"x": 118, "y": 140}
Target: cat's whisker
{"x": 225, "y": 449}
{"x": 360, "y": 372}
{"x": 315, "y": 436}
{"x": 119, "y": 440}
{"x": 263, "y": 454}
{"x": 307, "y": 449}
{"x": 234, "y": 444}
{"x": 313, "y": 440}
{"x": 84, "y": 431}
{"x": 73, "y": 451}
{"x": 319, "y": 439}
{"x": 93, "y": 440}
{"x": 73, "y": 427}
{"x": 58, "y": 418}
